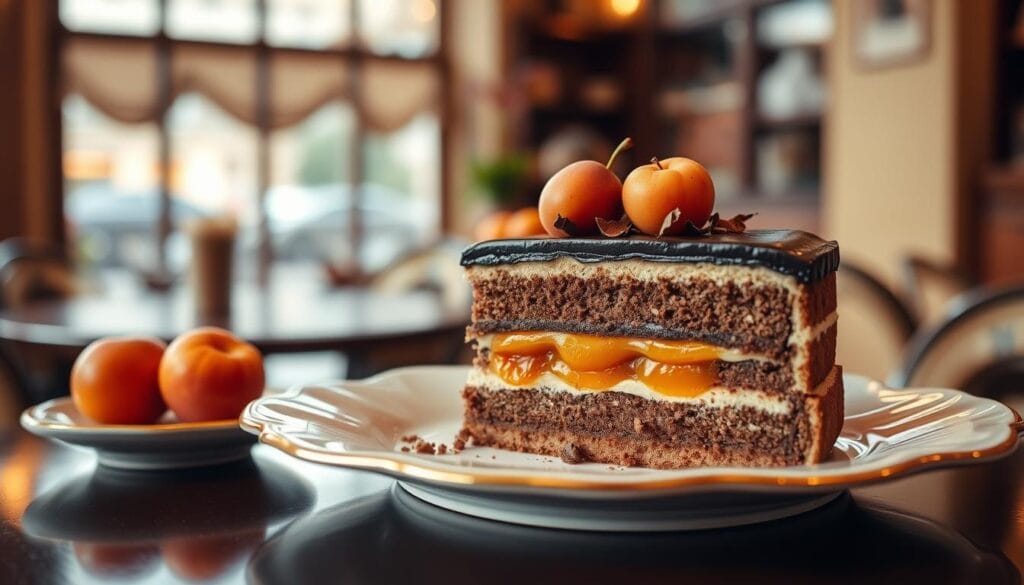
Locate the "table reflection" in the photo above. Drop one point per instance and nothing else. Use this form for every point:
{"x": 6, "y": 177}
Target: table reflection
{"x": 199, "y": 524}
{"x": 392, "y": 537}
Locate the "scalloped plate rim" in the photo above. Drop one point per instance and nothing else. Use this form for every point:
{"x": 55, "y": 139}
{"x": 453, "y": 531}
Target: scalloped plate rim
{"x": 793, "y": 479}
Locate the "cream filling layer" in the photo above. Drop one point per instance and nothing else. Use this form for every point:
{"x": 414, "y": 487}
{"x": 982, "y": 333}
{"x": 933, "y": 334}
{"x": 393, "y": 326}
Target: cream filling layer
{"x": 644, "y": 270}
{"x": 714, "y": 397}
{"x": 805, "y": 335}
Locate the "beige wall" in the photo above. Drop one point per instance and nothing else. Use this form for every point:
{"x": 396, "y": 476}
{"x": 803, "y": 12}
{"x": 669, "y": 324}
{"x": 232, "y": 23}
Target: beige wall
{"x": 889, "y": 150}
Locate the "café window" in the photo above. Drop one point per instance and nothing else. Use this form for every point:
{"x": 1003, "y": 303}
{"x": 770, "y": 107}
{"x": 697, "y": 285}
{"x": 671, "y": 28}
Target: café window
{"x": 317, "y": 124}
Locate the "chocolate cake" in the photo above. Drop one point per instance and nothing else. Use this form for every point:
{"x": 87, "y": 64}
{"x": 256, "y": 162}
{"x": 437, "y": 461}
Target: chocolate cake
{"x": 656, "y": 352}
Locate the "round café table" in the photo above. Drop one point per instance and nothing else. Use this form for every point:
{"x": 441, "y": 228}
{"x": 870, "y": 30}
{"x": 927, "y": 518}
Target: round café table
{"x": 277, "y": 520}
{"x": 295, "y": 312}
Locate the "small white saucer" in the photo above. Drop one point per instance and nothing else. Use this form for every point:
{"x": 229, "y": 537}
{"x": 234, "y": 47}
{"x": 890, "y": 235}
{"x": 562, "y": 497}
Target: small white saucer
{"x": 168, "y": 444}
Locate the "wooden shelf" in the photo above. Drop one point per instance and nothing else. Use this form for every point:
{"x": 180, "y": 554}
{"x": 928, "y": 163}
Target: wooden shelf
{"x": 796, "y": 198}
{"x": 656, "y": 63}
{"x": 719, "y": 12}
{"x": 703, "y": 20}
{"x": 1006, "y": 181}
{"x": 799, "y": 122}
{"x": 570, "y": 112}
{"x": 771, "y": 50}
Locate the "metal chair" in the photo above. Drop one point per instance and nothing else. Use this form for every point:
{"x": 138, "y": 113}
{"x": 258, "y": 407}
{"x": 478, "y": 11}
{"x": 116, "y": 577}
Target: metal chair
{"x": 928, "y": 286}
{"x": 874, "y": 324}
{"x": 31, "y": 270}
{"x": 978, "y": 347}
{"x": 436, "y": 268}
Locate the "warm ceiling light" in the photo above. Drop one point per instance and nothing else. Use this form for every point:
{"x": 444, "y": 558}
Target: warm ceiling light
{"x": 425, "y": 10}
{"x": 625, "y": 8}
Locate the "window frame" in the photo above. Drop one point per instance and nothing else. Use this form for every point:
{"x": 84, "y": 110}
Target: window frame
{"x": 351, "y": 56}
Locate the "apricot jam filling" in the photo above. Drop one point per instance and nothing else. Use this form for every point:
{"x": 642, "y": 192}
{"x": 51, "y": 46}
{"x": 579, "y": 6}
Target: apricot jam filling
{"x": 593, "y": 362}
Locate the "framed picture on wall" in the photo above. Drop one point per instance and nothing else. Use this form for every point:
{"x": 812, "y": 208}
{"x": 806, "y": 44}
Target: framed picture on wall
{"x": 888, "y": 33}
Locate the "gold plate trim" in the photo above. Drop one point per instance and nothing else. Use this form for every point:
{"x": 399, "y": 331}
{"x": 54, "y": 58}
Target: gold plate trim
{"x": 391, "y": 465}
{"x": 30, "y": 419}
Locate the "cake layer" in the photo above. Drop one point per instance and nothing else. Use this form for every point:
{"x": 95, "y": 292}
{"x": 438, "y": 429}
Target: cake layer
{"x": 799, "y": 254}
{"x": 628, "y": 429}
{"x": 716, "y": 395}
{"x": 751, "y": 309}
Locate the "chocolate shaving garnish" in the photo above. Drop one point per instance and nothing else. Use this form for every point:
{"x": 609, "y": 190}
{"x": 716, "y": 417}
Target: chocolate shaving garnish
{"x": 690, "y": 229}
{"x": 671, "y": 218}
{"x": 736, "y": 225}
{"x": 613, "y": 228}
{"x": 567, "y": 226}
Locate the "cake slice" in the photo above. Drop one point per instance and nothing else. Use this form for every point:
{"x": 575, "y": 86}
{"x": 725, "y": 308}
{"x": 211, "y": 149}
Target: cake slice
{"x": 664, "y": 353}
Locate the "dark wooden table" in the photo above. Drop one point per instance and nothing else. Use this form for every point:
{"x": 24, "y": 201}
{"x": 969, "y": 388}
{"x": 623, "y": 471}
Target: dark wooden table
{"x": 296, "y": 312}
{"x": 277, "y": 520}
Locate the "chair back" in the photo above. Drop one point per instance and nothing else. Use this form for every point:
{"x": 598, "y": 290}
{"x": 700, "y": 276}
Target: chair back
{"x": 979, "y": 346}
{"x": 874, "y": 324}
{"x": 435, "y": 267}
{"x": 929, "y": 286}
{"x": 31, "y": 271}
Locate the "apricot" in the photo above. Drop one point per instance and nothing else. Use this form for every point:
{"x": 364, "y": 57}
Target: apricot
{"x": 210, "y": 374}
{"x": 491, "y": 227}
{"x": 654, "y": 190}
{"x": 116, "y": 559}
{"x": 206, "y": 557}
{"x": 580, "y": 193}
{"x": 114, "y": 381}
{"x": 523, "y": 224}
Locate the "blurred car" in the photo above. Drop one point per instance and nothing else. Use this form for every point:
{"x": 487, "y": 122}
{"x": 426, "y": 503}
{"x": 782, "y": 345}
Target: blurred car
{"x": 116, "y": 228}
{"x": 314, "y": 223}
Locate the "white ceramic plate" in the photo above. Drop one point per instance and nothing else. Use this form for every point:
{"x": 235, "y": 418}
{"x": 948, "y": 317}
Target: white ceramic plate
{"x": 169, "y": 444}
{"x": 360, "y": 424}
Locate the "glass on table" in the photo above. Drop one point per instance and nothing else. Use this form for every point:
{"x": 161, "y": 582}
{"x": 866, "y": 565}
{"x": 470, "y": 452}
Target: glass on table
{"x": 213, "y": 247}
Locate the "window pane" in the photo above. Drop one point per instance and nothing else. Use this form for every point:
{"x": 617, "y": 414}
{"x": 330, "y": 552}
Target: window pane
{"x": 213, "y": 170}
{"x": 402, "y": 197}
{"x": 132, "y": 17}
{"x": 313, "y": 24}
{"x": 403, "y": 27}
{"x": 110, "y": 187}
{"x": 233, "y": 21}
{"x": 308, "y": 205}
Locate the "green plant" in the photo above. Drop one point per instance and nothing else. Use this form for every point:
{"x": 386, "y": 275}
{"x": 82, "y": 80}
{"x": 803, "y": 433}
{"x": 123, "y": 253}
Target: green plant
{"x": 501, "y": 179}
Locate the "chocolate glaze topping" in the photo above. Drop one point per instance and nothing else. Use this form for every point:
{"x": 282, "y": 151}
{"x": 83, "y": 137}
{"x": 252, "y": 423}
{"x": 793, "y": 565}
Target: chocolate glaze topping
{"x": 792, "y": 252}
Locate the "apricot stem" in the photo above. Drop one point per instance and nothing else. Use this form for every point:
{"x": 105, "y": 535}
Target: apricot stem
{"x": 656, "y": 162}
{"x": 626, "y": 144}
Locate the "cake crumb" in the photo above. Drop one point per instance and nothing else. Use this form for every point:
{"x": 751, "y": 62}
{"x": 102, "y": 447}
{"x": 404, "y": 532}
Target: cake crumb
{"x": 638, "y": 425}
{"x": 573, "y": 454}
{"x": 461, "y": 439}
{"x": 423, "y": 447}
